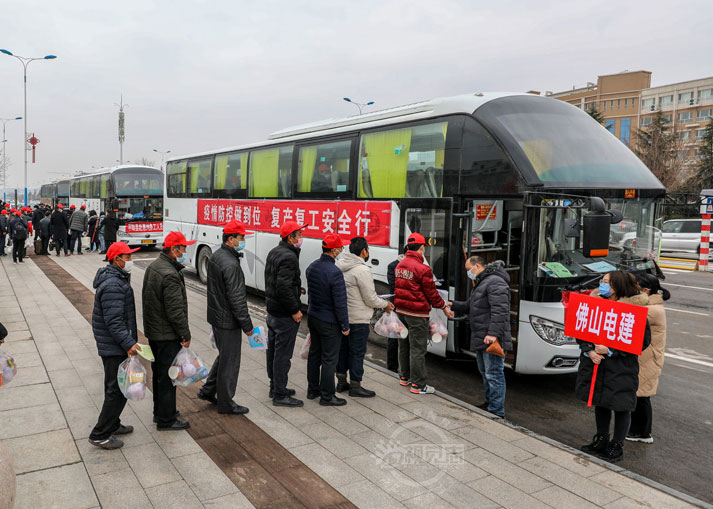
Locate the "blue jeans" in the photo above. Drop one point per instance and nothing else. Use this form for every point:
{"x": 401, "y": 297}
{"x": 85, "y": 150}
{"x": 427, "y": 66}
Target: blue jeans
{"x": 492, "y": 368}
{"x": 101, "y": 241}
{"x": 352, "y": 351}
{"x": 76, "y": 239}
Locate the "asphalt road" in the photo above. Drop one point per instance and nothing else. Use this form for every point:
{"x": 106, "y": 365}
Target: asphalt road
{"x": 682, "y": 454}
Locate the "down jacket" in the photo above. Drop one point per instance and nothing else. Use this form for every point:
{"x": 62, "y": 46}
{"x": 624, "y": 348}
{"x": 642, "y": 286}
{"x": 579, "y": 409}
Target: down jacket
{"x": 618, "y": 375}
{"x": 60, "y": 225}
{"x": 79, "y": 221}
{"x": 164, "y": 301}
{"x": 327, "y": 293}
{"x": 227, "y": 297}
{"x": 362, "y": 299}
{"x": 488, "y": 307}
{"x": 651, "y": 359}
{"x": 114, "y": 314}
{"x": 283, "y": 284}
{"x": 415, "y": 289}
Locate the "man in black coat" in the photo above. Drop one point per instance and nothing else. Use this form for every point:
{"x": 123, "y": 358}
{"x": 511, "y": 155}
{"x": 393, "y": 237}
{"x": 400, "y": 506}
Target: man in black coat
{"x": 328, "y": 320}
{"x": 114, "y": 327}
{"x": 489, "y": 316}
{"x": 111, "y": 226}
{"x": 37, "y": 216}
{"x": 19, "y": 232}
{"x": 283, "y": 287}
{"x": 4, "y": 222}
{"x": 60, "y": 225}
{"x": 228, "y": 314}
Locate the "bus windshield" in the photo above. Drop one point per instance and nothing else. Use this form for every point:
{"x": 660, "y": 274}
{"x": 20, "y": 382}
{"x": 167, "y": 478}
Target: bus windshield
{"x": 141, "y": 209}
{"x": 137, "y": 183}
{"x": 562, "y": 144}
{"x": 633, "y": 243}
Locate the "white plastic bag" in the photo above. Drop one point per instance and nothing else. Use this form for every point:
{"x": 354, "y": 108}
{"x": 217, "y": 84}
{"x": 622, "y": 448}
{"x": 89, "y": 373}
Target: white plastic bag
{"x": 390, "y": 326}
{"x": 258, "y": 341}
{"x": 132, "y": 378}
{"x": 212, "y": 338}
{"x": 438, "y": 328}
{"x": 8, "y": 368}
{"x": 304, "y": 353}
{"x": 187, "y": 368}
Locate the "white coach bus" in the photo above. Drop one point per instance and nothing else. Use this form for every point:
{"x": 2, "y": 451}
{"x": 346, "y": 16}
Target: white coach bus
{"x": 505, "y": 176}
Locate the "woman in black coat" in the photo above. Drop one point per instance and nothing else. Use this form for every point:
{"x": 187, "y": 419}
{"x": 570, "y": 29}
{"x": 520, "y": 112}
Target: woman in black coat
{"x": 111, "y": 226}
{"x": 618, "y": 375}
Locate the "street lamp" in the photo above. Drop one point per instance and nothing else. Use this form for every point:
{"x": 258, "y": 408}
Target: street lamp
{"x": 163, "y": 155}
{"x": 4, "y": 154}
{"x": 359, "y": 105}
{"x": 25, "y": 62}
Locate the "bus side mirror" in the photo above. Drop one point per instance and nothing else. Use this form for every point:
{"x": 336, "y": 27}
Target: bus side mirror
{"x": 596, "y": 223}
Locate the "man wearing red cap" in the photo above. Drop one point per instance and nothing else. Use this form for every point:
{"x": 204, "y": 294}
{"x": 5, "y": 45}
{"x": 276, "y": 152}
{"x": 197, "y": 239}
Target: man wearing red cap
{"x": 114, "y": 328}
{"x": 228, "y": 314}
{"x": 283, "y": 287}
{"x": 19, "y": 232}
{"x": 78, "y": 224}
{"x": 328, "y": 320}
{"x": 59, "y": 226}
{"x": 165, "y": 310}
{"x": 3, "y": 231}
{"x": 415, "y": 294}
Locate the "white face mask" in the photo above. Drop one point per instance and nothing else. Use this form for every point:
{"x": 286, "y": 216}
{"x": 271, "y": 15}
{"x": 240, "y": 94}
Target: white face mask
{"x": 128, "y": 266}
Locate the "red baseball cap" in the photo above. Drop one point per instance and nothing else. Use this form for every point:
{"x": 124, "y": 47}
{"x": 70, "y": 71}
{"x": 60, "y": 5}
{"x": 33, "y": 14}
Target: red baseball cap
{"x": 235, "y": 227}
{"x": 60, "y": 206}
{"x": 177, "y": 239}
{"x": 73, "y": 207}
{"x": 83, "y": 207}
{"x": 7, "y": 205}
{"x": 333, "y": 241}
{"x": 3, "y": 211}
{"x": 118, "y": 248}
{"x": 290, "y": 227}
{"x": 416, "y": 238}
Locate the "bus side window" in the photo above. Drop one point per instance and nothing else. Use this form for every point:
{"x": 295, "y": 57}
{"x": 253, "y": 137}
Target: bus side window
{"x": 176, "y": 172}
{"x": 324, "y": 168}
{"x": 231, "y": 173}
{"x": 200, "y": 176}
{"x": 270, "y": 173}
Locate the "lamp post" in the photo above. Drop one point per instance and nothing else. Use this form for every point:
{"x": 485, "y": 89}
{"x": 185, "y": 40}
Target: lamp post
{"x": 4, "y": 154}
{"x": 163, "y": 155}
{"x": 25, "y": 61}
{"x": 359, "y": 105}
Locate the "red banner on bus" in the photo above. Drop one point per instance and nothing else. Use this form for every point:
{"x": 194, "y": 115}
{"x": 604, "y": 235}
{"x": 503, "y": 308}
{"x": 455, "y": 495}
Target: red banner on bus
{"x": 348, "y": 219}
{"x": 606, "y": 322}
{"x": 150, "y": 227}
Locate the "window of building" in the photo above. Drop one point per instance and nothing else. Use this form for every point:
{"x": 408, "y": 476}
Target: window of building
{"x": 402, "y": 163}
{"x": 618, "y": 104}
{"x": 588, "y": 106}
{"x": 666, "y": 118}
{"x": 684, "y": 135}
{"x": 625, "y": 130}
{"x": 704, "y": 115}
{"x": 633, "y": 102}
{"x": 665, "y": 100}
{"x": 648, "y": 104}
{"x": 231, "y": 173}
{"x": 698, "y": 154}
{"x": 610, "y": 125}
{"x": 645, "y": 122}
{"x": 685, "y": 117}
{"x": 699, "y": 134}
{"x": 604, "y": 106}
{"x": 684, "y": 155}
{"x": 626, "y": 103}
{"x": 271, "y": 172}
{"x": 176, "y": 172}
{"x": 705, "y": 95}
{"x": 200, "y": 174}
{"x": 685, "y": 99}
{"x": 324, "y": 168}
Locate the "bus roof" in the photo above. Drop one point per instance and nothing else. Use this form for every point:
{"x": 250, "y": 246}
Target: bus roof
{"x": 112, "y": 169}
{"x": 466, "y": 103}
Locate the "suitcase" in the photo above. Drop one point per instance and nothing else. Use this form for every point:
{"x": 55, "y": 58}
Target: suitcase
{"x": 38, "y": 246}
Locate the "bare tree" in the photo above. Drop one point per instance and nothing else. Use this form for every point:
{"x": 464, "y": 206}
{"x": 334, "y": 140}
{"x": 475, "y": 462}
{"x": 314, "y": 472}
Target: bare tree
{"x": 145, "y": 161}
{"x": 660, "y": 148}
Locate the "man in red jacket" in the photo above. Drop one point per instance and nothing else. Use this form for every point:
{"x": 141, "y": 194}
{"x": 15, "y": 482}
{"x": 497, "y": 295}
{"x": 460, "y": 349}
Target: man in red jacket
{"x": 415, "y": 295}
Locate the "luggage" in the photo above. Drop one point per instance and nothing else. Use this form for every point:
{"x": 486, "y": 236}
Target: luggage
{"x": 38, "y": 246}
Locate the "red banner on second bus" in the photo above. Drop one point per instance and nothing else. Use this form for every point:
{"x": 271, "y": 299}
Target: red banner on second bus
{"x": 348, "y": 219}
{"x": 143, "y": 227}
{"x": 606, "y": 322}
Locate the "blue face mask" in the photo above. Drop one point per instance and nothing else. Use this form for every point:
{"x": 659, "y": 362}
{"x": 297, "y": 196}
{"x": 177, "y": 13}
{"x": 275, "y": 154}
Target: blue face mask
{"x": 182, "y": 258}
{"x": 471, "y": 275}
{"x": 240, "y": 246}
{"x": 605, "y": 289}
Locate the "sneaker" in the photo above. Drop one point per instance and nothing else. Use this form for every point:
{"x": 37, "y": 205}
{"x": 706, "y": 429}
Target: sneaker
{"x": 404, "y": 382}
{"x": 110, "y": 443}
{"x": 598, "y": 445}
{"x": 422, "y": 389}
{"x": 614, "y": 452}
{"x": 124, "y": 430}
{"x": 635, "y": 437}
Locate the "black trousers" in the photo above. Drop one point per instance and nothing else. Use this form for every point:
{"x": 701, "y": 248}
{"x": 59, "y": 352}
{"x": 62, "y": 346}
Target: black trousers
{"x": 60, "y": 242}
{"x": 223, "y": 377}
{"x": 18, "y": 250}
{"x": 164, "y": 392}
{"x": 45, "y": 244}
{"x": 281, "y": 336}
{"x": 622, "y": 422}
{"x": 642, "y": 417}
{"x": 3, "y": 236}
{"x": 323, "y": 356}
{"x": 114, "y": 401}
{"x": 392, "y": 355}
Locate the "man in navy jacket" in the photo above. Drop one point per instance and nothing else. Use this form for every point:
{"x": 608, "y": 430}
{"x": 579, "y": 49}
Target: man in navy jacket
{"x": 328, "y": 319}
{"x": 114, "y": 327}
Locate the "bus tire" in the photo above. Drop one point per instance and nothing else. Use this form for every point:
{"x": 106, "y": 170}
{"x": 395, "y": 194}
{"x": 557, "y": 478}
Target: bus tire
{"x": 204, "y": 255}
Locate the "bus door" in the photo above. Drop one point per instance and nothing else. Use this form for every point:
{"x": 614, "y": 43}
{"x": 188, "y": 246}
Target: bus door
{"x": 432, "y": 219}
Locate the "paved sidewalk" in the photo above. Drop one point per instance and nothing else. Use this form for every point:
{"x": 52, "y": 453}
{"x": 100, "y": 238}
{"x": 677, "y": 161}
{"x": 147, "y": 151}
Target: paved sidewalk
{"x": 395, "y": 450}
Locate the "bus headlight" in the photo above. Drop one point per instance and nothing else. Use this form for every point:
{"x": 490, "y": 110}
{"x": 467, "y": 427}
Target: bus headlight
{"x": 550, "y": 331}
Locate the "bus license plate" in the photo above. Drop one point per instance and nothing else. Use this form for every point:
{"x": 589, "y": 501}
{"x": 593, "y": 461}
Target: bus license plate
{"x": 148, "y": 241}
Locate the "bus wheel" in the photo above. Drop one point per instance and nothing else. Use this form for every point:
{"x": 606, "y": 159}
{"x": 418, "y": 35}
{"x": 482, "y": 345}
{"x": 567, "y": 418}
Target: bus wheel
{"x": 202, "y": 264}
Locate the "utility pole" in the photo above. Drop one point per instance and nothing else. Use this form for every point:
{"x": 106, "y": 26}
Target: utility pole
{"x": 121, "y": 129}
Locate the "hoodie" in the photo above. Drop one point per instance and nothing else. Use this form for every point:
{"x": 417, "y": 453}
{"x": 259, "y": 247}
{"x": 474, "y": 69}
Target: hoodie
{"x": 362, "y": 299}
{"x": 114, "y": 314}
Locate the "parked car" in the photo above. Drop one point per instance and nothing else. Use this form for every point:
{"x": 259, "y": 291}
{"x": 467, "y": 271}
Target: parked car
{"x": 681, "y": 235}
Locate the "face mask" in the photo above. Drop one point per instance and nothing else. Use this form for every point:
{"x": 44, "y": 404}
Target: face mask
{"x": 605, "y": 289}
{"x": 298, "y": 243}
{"x": 240, "y": 246}
{"x": 182, "y": 258}
{"x": 471, "y": 275}
{"x": 128, "y": 266}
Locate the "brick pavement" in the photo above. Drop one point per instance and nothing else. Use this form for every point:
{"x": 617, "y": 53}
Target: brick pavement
{"x": 395, "y": 450}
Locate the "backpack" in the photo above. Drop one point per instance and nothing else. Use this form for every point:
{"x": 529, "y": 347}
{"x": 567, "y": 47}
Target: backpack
{"x": 20, "y": 231}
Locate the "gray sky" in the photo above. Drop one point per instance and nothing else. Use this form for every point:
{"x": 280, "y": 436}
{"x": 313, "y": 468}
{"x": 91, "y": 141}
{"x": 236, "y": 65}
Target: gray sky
{"x": 199, "y": 75}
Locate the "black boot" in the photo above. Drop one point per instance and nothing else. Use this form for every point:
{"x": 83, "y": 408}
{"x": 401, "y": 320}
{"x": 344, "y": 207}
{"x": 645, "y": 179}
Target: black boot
{"x": 614, "y": 452}
{"x": 599, "y": 444}
{"x": 357, "y": 391}
{"x": 342, "y": 384}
